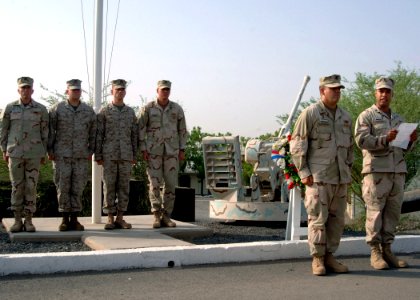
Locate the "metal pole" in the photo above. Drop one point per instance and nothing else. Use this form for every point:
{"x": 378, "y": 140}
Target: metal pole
{"x": 97, "y": 77}
{"x": 286, "y": 127}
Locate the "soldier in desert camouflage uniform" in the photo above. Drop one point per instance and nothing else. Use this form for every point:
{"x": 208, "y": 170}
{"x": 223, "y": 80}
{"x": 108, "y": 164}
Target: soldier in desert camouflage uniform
{"x": 24, "y": 136}
{"x": 322, "y": 150}
{"x": 384, "y": 172}
{"x": 71, "y": 143}
{"x": 162, "y": 136}
{"x": 116, "y": 147}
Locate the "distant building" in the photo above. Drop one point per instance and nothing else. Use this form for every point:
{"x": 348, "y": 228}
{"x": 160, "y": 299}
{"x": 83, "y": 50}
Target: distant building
{"x": 189, "y": 178}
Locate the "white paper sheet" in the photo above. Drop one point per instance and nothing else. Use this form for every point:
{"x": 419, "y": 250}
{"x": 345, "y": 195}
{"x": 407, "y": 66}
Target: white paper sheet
{"x": 403, "y": 136}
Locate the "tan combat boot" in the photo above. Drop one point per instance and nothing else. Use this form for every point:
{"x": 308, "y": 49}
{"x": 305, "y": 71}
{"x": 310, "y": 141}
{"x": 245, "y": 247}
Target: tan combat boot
{"x": 29, "y": 227}
{"x": 110, "y": 225}
{"x": 376, "y": 260}
{"x": 333, "y": 265}
{"x": 74, "y": 223}
{"x": 120, "y": 223}
{"x": 391, "y": 259}
{"x": 166, "y": 221}
{"x": 318, "y": 267}
{"x": 64, "y": 226}
{"x": 156, "y": 220}
{"x": 18, "y": 225}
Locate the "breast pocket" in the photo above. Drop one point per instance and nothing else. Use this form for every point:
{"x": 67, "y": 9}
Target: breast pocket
{"x": 85, "y": 119}
{"x": 35, "y": 116}
{"x": 174, "y": 117}
{"x": 344, "y": 137}
{"x": 155, "y": 119}
{"x": 17, "y": 115}
{"x": 324, "y": 135}
{"x": 110, "y": 119}
{"x": 380, "y": 128}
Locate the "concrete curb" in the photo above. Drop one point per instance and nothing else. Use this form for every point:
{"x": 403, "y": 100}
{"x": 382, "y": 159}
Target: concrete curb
{"x": 163, "y": 257}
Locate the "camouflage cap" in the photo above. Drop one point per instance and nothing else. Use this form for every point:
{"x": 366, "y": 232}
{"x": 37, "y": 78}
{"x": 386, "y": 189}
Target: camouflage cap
{"x": 25, "y": 81}
{"x": 331, "y": 81}
{"x": 384, "y": 83}
{"x": 74, "y": 84}
{"x": 119, "y": 83}
{"x": 164, "y": 84}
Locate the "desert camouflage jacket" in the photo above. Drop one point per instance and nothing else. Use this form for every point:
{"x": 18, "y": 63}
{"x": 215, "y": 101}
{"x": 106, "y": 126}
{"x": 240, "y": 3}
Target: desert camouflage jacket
{"x": 162, "y": 130}
{"x": 24, "y": 132}
{"x": 322, "y": 145}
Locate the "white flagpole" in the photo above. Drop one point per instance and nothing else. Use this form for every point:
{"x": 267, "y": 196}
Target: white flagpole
{"x": 97, "y": 77}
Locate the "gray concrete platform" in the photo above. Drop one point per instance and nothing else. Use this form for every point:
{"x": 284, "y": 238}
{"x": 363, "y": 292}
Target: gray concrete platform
{"x": 97, "y": 238}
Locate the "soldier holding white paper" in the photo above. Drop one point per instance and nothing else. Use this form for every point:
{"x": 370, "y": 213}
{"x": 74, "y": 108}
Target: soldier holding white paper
{"x": 384, "y": 172}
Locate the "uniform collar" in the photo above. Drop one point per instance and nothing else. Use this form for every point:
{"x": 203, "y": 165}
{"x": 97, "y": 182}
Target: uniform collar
{"x": 31, "y": 104}
{"x": 68, "y": 105}
{"x": 375, "y": 108}
{"x": 160, "y": 107}
{"x": 326, "y": 111}
{"x": 115, "y": 107}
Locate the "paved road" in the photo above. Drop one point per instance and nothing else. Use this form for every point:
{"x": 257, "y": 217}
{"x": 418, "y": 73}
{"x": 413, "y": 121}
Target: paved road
{"x": 274, "y": 280}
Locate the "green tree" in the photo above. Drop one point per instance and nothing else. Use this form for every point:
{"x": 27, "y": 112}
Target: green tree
{"x": 359, "y": 95}
{"x": 194, "y": 159}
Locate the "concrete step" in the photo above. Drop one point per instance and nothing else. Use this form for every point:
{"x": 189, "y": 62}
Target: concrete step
{"x": 142, "y": 234}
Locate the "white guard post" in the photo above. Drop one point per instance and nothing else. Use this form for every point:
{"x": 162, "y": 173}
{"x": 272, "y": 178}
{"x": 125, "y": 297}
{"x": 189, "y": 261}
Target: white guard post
{"x": 293, "y": 229}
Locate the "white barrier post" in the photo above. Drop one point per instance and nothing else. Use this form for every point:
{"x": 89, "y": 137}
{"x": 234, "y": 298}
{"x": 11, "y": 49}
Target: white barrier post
{"x": 293, "y": 229}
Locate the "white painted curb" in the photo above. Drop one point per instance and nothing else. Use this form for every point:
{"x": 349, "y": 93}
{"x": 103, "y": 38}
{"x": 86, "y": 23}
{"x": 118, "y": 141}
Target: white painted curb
{"x": 162, "y": 257}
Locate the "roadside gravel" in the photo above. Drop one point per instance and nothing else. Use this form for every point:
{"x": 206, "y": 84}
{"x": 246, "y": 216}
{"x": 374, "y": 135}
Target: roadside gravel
{"x": 241, "y": 232}
{"x": 237, "y": 232}
{"x": 8, "y": 247}
{"x": 223, "y": 233}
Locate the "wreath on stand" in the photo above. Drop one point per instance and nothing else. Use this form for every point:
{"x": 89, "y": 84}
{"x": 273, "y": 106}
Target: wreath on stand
{"x": 280, "y": 153}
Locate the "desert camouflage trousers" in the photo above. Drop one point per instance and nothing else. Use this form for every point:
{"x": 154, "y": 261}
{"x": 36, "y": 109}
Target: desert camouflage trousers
{"x": 162, "y": 169}
{"x": 326, "y": 205}
{"x": 116, "y": 178}
{"x": 70, "y": 178}
{"x": 383, "y": 194}
{"x": 24, "y": 178}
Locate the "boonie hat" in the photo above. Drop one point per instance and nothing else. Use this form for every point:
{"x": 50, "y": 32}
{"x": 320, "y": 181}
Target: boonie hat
{"x": 25, "y": 81}
{"x": 331, "y": 81}
{"x": 384, "y": 83}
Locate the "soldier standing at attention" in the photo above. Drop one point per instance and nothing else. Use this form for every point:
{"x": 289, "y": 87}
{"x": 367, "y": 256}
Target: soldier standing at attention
{"x": 116, "y": 147}
{"x": 71, "y": 142}
{"x": 322, "y": 150}
{"x": 24, "y": 137}
{"x": 384, "y": 172}
{"x": 162, "y": 136}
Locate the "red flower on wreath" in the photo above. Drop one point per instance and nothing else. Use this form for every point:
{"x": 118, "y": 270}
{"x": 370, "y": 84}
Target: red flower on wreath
{"x": 284, "y": 160}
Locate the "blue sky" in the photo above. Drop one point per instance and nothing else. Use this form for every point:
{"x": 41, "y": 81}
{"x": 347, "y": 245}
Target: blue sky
{"x": 234, "y": 64}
